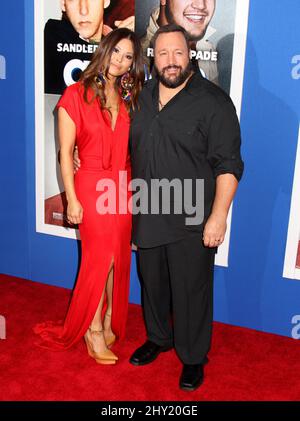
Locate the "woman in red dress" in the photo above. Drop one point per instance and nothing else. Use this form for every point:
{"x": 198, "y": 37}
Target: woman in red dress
{"x": 93, "y": 114}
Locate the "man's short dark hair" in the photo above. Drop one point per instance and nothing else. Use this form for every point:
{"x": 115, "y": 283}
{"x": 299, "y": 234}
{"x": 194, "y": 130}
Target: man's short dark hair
{"x": 166, "y": 29}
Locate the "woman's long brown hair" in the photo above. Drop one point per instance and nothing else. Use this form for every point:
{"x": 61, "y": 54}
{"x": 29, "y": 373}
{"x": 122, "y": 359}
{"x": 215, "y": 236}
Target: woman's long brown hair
{"x": 101, "y": 62}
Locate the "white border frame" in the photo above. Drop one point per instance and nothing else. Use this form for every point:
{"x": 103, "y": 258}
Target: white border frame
{"x": 236, "y": 93}
{"x": 289, "y": 269}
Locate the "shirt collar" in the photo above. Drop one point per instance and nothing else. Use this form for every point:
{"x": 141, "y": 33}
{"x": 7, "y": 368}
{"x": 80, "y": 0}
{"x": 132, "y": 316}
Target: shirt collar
{"x": 209, "y": 32}
{"x": 194, "y": 81}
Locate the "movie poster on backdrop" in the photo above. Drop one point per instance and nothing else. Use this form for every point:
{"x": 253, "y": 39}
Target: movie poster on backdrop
{"x": 64, "y": 44}
{"x": 218, "y": 29}
{"x": 291, "y": 268}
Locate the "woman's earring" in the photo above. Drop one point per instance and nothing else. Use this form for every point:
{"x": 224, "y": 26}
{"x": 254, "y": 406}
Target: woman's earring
{"x": 127, "y": 85}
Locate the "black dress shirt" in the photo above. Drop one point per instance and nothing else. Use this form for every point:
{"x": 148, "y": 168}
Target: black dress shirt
{"x": 195, "y": 136}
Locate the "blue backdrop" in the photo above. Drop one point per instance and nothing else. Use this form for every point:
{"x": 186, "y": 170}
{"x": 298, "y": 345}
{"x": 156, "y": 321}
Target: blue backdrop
{"x": 251, "y": 292}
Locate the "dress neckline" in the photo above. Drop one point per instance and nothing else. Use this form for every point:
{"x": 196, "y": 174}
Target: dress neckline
{"x": 107, "y": 118}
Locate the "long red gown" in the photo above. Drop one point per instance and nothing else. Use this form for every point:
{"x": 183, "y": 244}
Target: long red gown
{"x": 103, "y": 153}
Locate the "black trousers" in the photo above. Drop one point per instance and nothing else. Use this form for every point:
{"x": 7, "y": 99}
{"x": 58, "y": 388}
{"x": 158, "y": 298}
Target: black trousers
{"x": 177, "y": 280}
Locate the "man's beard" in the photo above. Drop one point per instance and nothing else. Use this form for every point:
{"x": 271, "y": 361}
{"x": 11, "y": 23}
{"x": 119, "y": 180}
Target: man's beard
{"x": 178, "y": 80}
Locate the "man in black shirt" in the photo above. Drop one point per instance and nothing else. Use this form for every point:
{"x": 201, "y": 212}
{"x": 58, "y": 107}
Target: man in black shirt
{"x": 186, "y": 129}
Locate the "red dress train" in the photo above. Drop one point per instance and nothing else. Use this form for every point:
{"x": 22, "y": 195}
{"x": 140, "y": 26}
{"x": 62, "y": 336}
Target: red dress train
{"x": 103, "y": 153}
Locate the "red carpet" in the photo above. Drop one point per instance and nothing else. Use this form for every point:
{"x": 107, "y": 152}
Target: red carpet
{"x": 244, "y": 364}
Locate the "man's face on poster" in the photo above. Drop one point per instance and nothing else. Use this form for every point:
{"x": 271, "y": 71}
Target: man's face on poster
{"x": 86, "y": 16}
{"x": 193, "y": 15}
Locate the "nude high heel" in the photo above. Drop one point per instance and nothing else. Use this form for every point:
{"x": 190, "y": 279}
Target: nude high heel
{"x": 109, "y": 339}
{"x": 106, "y": 357}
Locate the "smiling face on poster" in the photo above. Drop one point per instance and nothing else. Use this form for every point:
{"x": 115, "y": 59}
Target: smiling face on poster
{"x": 211, "y": 26}
{"x": 192, "y": 16}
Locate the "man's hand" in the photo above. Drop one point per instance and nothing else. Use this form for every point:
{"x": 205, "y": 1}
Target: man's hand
{"x": 215, "y": 227}
{"x": 76, "y": 160}
{"x": 106, "y": 30}
{"x": 214, "y": 230}
{"x": 126, "y": 23}
{"x": 74, "y": 212}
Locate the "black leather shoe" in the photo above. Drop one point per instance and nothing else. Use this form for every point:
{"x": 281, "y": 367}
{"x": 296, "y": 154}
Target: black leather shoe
{"x": 192, "y": 377}
{"x": 147, "y": 353}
